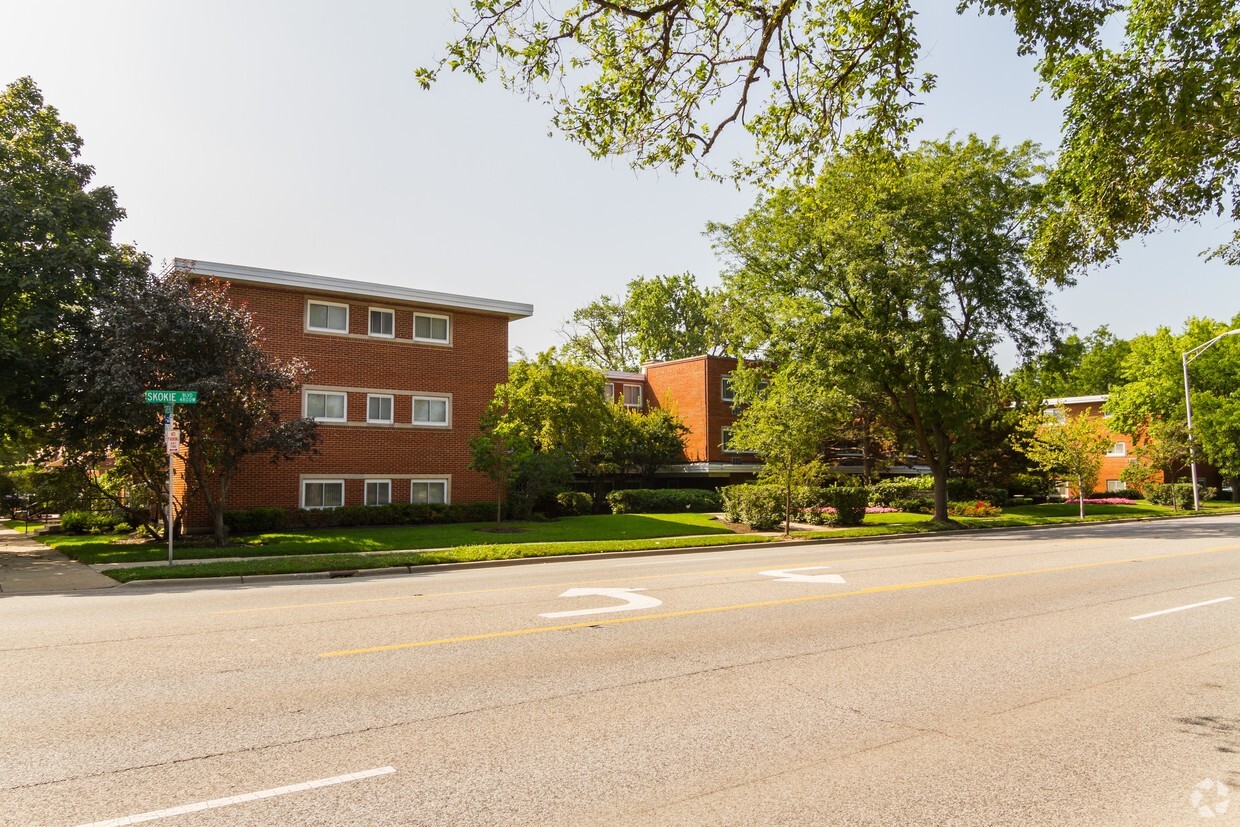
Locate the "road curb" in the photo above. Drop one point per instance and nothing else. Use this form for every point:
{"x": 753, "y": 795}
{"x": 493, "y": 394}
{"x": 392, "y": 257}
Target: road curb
{"x": 352, "y": 574}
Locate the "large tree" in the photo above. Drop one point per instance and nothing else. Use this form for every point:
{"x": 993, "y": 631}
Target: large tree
{"x": 658, "y": 318}
{"x": 56, "y": 256}
{"x": 896, "y": 277}
{"x": 1151, "y": 113}
{"x": 167, "y": 333}
{"x": 1073, "y": 366}
{"x": 1152, "y": 395}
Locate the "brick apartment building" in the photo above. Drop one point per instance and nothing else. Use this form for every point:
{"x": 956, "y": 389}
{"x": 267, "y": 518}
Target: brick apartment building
{"x": 699, "y": 391}
{"x": 399, "y": 378}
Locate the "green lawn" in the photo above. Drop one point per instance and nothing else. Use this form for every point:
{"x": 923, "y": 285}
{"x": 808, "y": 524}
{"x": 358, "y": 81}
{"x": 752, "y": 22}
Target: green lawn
{"x": 104, "y": 549}
{"x": 21, "y": 525}
{"x": 1023, "y": 515}
{"x": 461, "y": 554}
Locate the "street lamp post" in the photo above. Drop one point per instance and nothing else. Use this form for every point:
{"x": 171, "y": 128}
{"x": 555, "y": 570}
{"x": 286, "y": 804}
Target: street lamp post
{"x": 1186, "y": 357}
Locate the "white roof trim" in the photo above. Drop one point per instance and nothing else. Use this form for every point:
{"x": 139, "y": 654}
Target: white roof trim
{"x": 327, "y": 284}
{"x": 624, "y": 376}
{"x": 1074, "y": 400}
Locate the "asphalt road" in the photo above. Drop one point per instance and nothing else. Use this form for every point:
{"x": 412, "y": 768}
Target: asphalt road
{"x": 995, "y": 678}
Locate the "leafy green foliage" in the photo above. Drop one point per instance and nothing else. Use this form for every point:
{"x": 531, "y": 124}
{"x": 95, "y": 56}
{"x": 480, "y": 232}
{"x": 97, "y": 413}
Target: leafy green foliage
{"x": 894, "y": 278}
{"x": 168, "y": 333}
{"x": 256, "y": 520}
{"x": 574, "y": 503}
{"x": 1071, "y": 447}
{"x": 663, "y": 500}
{"x": 56, "y": 256}
{"x": 761, "y": 507}
{"x": 660, "y": 318}
{"x": 1072, "y": 367}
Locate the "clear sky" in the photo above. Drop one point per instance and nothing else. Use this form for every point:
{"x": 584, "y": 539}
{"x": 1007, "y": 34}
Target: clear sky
{"x": 293, "y": 136}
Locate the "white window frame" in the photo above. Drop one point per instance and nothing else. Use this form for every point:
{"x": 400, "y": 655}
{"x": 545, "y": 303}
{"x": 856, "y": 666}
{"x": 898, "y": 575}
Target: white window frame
{"x": 306, "y": 405}
{"x": 370, "y": 322}
{"x": 1119, "y": 449}
{"x": 448, "y": 328}
{"x": 391, "y": 408}
{"x": 366, "y": 492}
{"x": 306, "y": 482}
{"x": 726, "y": 392}
{"x": 310, "y": 302}
{"x": 1118, "y": 485}
{"x": 609, "y": 391}
{"x": 447, "y": 411}
{"x": 723, "y": 441}
{"x": 624, "y": 390}
{"x": 447, "y": 490}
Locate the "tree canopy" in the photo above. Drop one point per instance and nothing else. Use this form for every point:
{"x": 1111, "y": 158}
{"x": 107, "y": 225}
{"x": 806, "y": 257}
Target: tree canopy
{"x": 658, "y": 318}
{"x": 168, "y": 333}
{"x": 895, "y": 278}
{"x": 1151, "y": 108}
{"x": 56, "y": 255}
{"x": 1069, "y": 447}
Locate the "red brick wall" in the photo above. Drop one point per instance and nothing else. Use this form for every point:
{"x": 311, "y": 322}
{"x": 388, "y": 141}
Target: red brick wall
{"x": 1111, "y": 466}
{"x": 694, "y": 388}
{"x": 468, "y": 369}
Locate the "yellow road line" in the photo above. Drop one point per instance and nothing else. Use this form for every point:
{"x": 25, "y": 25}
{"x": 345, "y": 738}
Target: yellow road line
{"x": 972, "y": 578}
{"x": 628, "y": 578}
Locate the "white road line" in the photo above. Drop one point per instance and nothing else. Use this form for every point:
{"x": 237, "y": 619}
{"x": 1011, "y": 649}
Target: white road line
{"x": 1182, "y": 608}
{"x": 241, "y": 799}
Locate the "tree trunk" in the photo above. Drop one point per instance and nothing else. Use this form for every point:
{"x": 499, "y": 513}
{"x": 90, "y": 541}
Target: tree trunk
{"x": 939, "y": 471}
{"x": 788, "y": 502}
{"x": 1080, "y": 494}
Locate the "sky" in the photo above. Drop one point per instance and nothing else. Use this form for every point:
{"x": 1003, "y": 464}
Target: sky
{"x": 294, "y": 137}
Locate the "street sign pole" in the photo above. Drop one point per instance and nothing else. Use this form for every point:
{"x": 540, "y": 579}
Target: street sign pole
{"x": 169, "y": 399}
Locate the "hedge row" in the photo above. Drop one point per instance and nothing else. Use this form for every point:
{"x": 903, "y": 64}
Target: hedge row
{"x": 762, "y": 507}
{"x": 1178, "y": 494}
{"x": 275, "y": 519}
{"x": 663, "y": 500}
{"x": 88, "y": 522}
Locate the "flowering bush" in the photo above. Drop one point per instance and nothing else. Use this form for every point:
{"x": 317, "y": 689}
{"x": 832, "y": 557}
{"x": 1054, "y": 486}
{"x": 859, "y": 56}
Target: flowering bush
{"x": 1108, "y": 501}
{"x": 973, "y": 509}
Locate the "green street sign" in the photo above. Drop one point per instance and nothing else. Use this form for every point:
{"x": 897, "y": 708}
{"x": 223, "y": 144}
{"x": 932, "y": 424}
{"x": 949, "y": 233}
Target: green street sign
{"x": 172, "y": 397}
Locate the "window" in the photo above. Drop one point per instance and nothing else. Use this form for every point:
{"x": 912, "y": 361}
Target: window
{"x": 430, "y": 328}
{"x": 1115, "y": 485}
{"x": 333, "y": 318}
{"x": 430, "y": 410}
{"x": 632, "y": 396}
{"x": 726, "y": 442}
{"x": 322, "y": 493}
{"x": 609, "y": 391}
{"x": 379, "y": 408}
{"x": 382, "y": 323}
{"x": 429, "y": 491}
{"x": 727, "y": 394}
{"x": 1119, "y": 449}
{"x": 326, "y": 407}
{"x": 378, "y": 492}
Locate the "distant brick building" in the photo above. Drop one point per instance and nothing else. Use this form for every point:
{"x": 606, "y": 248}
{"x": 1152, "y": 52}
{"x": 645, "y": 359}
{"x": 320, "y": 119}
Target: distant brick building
{"x": 399, "y": 378}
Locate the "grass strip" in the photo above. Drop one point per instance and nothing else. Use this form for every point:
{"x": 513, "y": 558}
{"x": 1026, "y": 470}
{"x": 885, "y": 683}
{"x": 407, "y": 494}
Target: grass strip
{"x": 461, "y": 554}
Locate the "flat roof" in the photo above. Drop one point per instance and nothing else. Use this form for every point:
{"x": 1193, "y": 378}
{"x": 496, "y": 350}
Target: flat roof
{"x": 1074, "y": 400}
{"x": 349, "y": 287}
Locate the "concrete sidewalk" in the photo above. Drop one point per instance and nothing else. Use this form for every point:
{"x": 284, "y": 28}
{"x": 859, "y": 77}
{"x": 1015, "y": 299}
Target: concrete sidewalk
{"x": 29, "y": 567}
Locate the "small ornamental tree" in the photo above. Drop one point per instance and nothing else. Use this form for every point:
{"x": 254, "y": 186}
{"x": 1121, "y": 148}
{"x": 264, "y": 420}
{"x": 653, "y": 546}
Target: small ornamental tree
{"x": 1070, "y": 447}
{"x": 788, "y": 424}
{"x": 168, "y": 333}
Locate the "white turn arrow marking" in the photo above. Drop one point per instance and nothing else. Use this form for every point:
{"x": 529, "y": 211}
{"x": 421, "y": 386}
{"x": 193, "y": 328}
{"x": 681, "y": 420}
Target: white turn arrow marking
{"x": 790, "y": 576}
{"x": 631, "y": 601}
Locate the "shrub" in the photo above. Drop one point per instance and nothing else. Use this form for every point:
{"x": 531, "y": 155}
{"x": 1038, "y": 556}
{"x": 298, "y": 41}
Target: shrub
{"x": 994, "y": 496}
{"x": 1031, "y": 485}
{"x": 1178, "y": 494}
{"x": 663, "y": 500}
{"x": 885, "y": 492}
{"x": 761, "y": 507}
{"x": 976, "y": 508}
{"x": 88, "y": 522}
{"x": 961, "y": 489}
{"x": 1012, "y": 502}
{"x": 255, "y": 520}
{"x": 916, "y": 506}
{"x": 122, "y": 528}
{"x": 847, "y": 504}
{"x": 1122, "y": 493}
{"x": 574, "y": 503}
{"x": 394, "y": 514}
